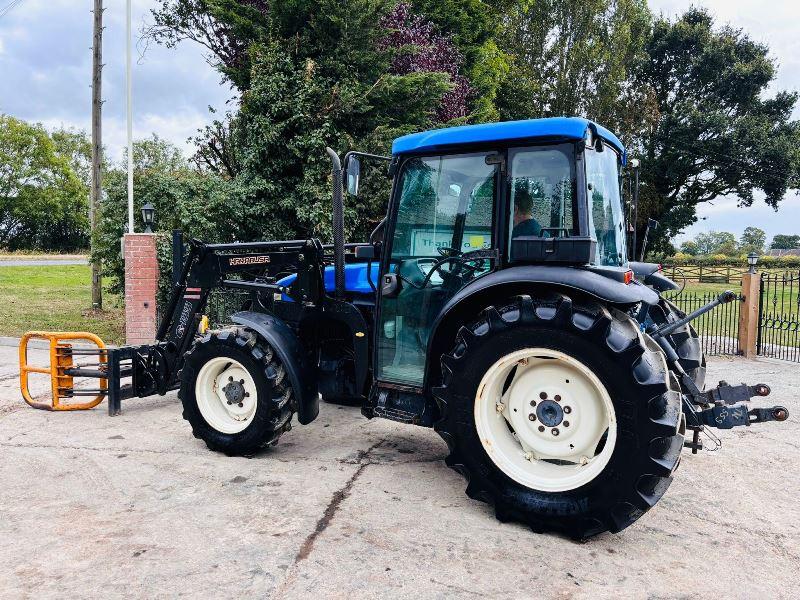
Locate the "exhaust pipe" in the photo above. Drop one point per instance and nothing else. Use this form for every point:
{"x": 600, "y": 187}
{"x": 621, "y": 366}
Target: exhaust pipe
{"x": 338, "y": 223}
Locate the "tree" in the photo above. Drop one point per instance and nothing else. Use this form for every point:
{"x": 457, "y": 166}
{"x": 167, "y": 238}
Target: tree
{"x": 785, "y": 242}
{"x": 419, "y": 49}
{"x": 753, "y": 240}
{"x": 43, "y": 202}
{"x": 715, "y": 242}
{"x": 716, "y": 132}
{"x": 574, "y": 57}
{"x": 690, "y": 247}
{"x": 76, "y": 147}
{"x": 472, "y": 26}
{"x": 311, "y": 74}
{"x": 203, "y": 205}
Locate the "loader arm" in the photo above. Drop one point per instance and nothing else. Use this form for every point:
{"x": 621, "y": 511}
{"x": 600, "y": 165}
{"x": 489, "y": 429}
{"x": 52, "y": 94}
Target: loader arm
{"x": 153, "y": 368}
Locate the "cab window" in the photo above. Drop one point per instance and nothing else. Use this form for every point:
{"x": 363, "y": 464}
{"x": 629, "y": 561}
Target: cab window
{"x": 542, "y": 191}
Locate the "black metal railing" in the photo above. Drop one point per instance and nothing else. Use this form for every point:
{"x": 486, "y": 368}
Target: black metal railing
{"x": 779, "y": 316}
{"x": 719, "y": 328}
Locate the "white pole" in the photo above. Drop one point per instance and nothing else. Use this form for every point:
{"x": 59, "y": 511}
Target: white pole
{"x": 129, "y": 85}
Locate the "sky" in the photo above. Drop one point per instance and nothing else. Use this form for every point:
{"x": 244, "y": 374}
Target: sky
{"x": 46, "y": 66}
{"x": 45, "y": 62}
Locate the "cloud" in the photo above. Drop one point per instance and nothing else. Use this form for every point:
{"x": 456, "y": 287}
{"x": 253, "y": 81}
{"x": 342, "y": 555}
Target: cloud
{"x": 46, "y": 66}
{"x": 769, "y": 23}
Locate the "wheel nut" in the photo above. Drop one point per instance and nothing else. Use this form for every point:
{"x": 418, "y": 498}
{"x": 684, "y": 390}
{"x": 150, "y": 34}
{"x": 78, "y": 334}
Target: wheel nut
{"x": 554, "y": 431}
{"x": 543, "y": 395}
{"x": 558, "y": 398}
{"x": 541, "y": 428}
{"x": 567, "y": 410}
{"x": 531, "y": 417}
{"x": 241, "y": 405}
{"x": 533, "y": 402}
{"x": 566, "y": 423}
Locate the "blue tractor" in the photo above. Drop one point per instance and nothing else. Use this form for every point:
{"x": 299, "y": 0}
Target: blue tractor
{"x": 495, "y": 303}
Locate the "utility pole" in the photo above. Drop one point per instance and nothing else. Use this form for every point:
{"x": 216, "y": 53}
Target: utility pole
{"x": 97, "y": 147}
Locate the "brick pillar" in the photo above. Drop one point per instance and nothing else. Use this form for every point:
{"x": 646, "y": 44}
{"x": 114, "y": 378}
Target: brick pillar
{"x": 141, "y": 284}
{"x": 748, "y": 314}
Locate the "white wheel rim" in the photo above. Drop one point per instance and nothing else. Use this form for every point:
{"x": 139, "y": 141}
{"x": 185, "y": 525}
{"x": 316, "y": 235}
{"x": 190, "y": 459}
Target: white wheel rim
{"x": 564, "y": 396}
{"x": 226, "y": 395}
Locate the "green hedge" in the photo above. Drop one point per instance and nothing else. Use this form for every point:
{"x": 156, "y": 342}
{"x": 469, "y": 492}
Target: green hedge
{"x": 718, "y": 260}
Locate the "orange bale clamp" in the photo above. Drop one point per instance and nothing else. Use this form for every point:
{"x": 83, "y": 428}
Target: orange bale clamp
{"x": 63, "y": 370}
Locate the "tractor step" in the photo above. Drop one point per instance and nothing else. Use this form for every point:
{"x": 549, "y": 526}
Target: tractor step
{"x": 397, "y": 405}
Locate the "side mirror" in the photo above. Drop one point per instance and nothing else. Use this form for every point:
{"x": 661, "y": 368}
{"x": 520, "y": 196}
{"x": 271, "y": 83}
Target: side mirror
{"x": 353, "y": 175}
{"x": 365, "y": 252}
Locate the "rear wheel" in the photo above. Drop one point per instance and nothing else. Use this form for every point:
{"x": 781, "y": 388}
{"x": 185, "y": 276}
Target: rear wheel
{"x": 685, "y": 341}
{"x": 560, "y": 415}
{"x": 235, "y": 393}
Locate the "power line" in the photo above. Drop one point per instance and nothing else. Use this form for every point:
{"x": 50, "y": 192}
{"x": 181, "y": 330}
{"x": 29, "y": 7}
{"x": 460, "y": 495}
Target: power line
{"x": 9, "y": 7}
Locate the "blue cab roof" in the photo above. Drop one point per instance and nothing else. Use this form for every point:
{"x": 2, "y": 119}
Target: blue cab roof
{"x": 553, "y": 128}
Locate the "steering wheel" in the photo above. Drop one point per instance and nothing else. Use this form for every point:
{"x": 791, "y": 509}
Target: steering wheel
{"x": 447, "y": 251}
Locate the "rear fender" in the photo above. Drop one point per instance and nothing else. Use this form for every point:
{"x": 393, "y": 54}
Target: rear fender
{"x": 496, "y": 288}
{"x": 287, "y": 345}
{"x": 650, "y": 274}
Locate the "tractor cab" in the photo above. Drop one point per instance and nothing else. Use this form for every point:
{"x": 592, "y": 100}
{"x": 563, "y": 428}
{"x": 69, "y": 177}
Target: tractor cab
{"x": 474, "y": 200}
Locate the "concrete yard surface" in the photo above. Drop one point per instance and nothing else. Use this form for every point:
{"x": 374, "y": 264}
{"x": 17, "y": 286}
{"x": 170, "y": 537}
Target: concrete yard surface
{"x": 134, "y": 506}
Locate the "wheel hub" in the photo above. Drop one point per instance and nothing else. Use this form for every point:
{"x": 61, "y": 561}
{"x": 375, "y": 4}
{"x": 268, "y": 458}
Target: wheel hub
{"x": 234, "y": 392}
{"x": 226, "y": 394}
{"x": 549, "y": 413}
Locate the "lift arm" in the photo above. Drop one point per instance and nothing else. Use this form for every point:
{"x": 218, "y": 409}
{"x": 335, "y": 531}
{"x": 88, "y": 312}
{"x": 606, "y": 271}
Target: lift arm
{"x": 154, "y": 368}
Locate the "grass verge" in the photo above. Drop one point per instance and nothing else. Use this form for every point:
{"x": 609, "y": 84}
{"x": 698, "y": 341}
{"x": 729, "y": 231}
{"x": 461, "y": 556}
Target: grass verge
{"x": 56, "y": 298}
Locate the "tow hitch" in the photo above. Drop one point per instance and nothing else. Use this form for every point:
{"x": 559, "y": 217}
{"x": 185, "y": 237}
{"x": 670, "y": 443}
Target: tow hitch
{"x": 718, "y": 406}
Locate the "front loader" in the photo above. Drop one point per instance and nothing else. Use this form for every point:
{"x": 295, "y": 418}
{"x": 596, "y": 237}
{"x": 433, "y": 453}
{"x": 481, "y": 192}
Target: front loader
{"x": 495, "y": 303}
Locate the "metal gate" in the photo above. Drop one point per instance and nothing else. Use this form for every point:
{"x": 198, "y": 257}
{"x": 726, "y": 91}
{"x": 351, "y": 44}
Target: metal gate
{"x": 719, "y": 329}
{"x": 779, "y": 316}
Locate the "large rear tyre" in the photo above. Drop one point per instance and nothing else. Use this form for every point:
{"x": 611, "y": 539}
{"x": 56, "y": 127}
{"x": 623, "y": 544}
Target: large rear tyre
{"x": 235, "y": 392}
{"x": 561, "y": 415}
{"x": 685, "y": 341}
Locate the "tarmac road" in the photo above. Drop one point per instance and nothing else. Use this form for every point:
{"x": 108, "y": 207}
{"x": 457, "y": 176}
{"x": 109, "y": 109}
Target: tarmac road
{"x": 134, "y": 506}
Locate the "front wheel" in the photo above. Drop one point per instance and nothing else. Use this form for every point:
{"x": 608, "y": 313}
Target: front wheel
{"x": 560, "y": 415}
{"x": 235, "y": 392}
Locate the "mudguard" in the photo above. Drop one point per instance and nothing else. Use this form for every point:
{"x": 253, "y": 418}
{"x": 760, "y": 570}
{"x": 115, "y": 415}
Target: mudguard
{"x": 588, "y": 281}
{"x": 486, "y": 290}
{"x": 650, "y": 274}
{"x": 287, "y": 345}
{"x": 658, "y": 281}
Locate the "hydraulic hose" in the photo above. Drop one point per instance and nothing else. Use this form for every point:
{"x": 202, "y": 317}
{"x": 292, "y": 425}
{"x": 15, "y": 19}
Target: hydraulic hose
{"x": 338, "y": 223}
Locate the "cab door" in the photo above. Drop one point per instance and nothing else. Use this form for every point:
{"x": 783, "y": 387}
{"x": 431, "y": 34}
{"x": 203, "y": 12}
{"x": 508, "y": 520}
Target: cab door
{"x": 444, "y": 207}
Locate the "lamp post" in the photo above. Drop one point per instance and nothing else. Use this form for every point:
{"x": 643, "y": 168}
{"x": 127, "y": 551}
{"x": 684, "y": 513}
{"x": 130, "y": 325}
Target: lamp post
{"x": 149, "y": 217}
{"x": 752, "y": 261}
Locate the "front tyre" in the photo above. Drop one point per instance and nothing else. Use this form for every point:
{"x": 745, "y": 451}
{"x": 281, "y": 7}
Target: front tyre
{"x": 235, "y": 392}
{"x": 560, "y": 415}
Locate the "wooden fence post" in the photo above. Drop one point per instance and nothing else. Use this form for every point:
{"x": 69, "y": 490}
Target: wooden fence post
{"x": 748, "y": 314}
